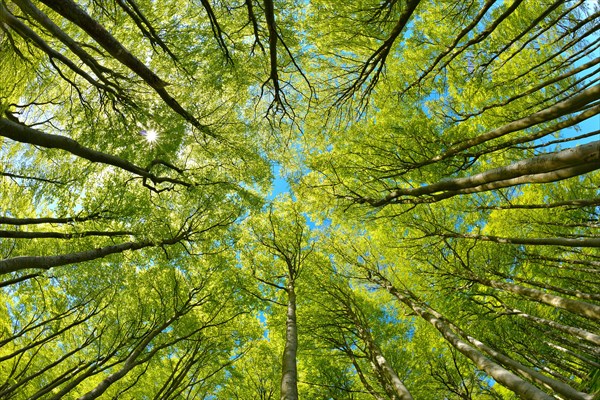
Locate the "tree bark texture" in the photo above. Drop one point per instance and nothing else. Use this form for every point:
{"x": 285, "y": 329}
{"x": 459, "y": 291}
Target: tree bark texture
{"x": 289, "y": 371}
{"x": 500, "y": 374}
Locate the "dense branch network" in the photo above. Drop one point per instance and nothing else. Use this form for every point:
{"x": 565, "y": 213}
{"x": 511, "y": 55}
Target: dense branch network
{"x": 439, "y": 240}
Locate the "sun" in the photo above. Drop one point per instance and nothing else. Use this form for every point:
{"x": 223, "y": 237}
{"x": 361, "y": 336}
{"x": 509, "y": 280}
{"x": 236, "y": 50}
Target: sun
{"x": 151, "y": 136}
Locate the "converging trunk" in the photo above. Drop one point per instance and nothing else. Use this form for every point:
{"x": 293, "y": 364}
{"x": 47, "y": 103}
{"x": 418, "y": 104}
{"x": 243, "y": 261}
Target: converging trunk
{"x": 289, "y": 371}
{"x": 581, "y": 308}
{"x": 394, "y": 385}
{"x": 500, "y": 374}
{"x": 46, "y": 262}
{"x": 580, "y": 333}
{"x": 400, "y": 390}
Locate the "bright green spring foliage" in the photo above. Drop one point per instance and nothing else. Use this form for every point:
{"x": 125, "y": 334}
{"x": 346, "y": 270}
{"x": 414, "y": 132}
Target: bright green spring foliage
{"x": 440, "y": 235}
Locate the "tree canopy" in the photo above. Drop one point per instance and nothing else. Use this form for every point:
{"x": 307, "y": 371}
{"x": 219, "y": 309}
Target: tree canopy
{"x": 436, "y": 236}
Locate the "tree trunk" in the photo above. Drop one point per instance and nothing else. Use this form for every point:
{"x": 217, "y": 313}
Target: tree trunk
{"x": 585, "y": 359}
{"x": 399, "y": 388}
{"x": 580, "y": 333}
{"x": 362, "y": 377}
{"x": 557, "y": 241}
{"x": 581, "y": 308}
{"x": 532, "y": 374}
{"x": 30, "y": 9}
{"x": 46, "y": 262}
{"x": 79, "y": 17}
{"x": 546, "y": 163}
{"x": 501, "y": 375}
{"x": 557, "y": 110}
{"x": 541, "y": 169}
{"x": 568, "y": 292}
{"x": 289, "y": 373}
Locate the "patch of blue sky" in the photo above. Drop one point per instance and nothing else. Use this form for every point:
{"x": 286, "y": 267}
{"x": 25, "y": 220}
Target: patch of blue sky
{"x": 280, "y": 184}
{"x": 262, "y": 318}
{"x": 592, "y": 124}
{"x": 485, "y": 379}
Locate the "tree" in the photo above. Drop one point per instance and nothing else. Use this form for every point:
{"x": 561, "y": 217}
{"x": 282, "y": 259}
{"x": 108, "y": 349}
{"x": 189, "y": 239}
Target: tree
{"x": 440, "y": 234}
{"x": 346, "y": 327}
{"x": 277, "y": 255}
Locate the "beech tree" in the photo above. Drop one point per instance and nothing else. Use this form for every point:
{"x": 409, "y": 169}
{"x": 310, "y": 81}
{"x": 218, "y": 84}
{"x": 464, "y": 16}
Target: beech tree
{"x": 277, "y": 255}
{"x": 438, "y": 237}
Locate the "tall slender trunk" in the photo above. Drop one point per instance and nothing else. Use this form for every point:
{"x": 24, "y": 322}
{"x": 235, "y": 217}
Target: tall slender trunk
{"x": 534, "y": 241}
{"x": 500, "y": 374}
{"x": 400, "y": 390}
{"x": 362, "y": 377}
{"x": 557, "y": 386}
{"x": 77, "y": 15}
{"x": 580, "y": 333}
{"x": 588, "y": 310}
{"x": 569, "y": 292}
{"x": 397, "y": 390}
{"x": 289, "y": 375}
{"x": 46, "y": 262}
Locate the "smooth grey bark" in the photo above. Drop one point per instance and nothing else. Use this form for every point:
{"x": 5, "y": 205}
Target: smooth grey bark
{"x": 352, "y": 326}
{"x": 565, "y": 107}
{"x": 361, "y": 375}
{"x": 581, "y": 308}
{"x": 575, "y": 293}
{"x": 500, "y": 374}
{"x": 541, "y": 169}
{"x": 558, "y": 241}
{"x": 289, "y": 369}
{"x": 528, "y": 141}
{"x": 590, "y": 362}
{"x": 580, "y": 333}
{"x": 293, "y": 253}
{"x": 397, "y": 384}
{"x": 46, "y": 262}
{"x": 556, "y": 386}
{"x": 392, "y": 383}
{"x": 59, "y": 235}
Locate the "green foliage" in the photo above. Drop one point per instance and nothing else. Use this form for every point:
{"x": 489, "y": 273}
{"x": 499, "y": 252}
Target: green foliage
{"x": 431, "y": 221}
